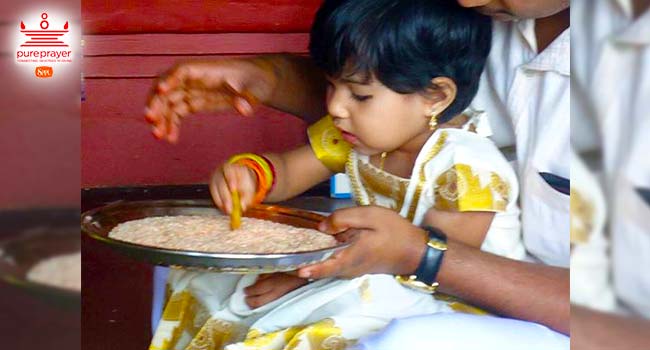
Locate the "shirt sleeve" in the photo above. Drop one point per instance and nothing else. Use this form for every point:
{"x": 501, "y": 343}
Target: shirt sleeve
{"x": 469, "y": 173}
{"x": 463, "y": 187}
{"x": 328, "y": 144}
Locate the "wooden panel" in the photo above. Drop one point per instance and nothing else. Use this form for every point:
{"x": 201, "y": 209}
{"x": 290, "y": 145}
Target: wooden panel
{"x": 100, "y": 67}
{"x": 193, "y": 16}
{"x": 115, "y": 299}
{"x": 119, "y": 70}
{"x": 118, "y": 149}
{"x": 194, "y": 44}
{"x": 120, "y": 67}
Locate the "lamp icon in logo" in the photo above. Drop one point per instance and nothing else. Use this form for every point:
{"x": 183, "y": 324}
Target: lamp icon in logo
{"x": 44, "y": 37}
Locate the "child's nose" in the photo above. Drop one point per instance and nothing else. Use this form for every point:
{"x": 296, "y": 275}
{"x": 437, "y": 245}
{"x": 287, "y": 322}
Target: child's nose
{"x": 336, "y": 107}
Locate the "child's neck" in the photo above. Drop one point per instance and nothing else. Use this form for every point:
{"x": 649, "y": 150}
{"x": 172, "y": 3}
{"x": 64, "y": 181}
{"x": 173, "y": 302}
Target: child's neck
{"x": 400, "y": 161}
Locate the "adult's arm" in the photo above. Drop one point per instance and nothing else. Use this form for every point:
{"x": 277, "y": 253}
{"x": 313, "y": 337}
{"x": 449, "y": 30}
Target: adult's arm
{"x": 522, "y": 290}
{"x": 595, "y": 330}
{"x": 384, "y": 242}
{"x": 301, "y": 87}
{"x": 286, "y": 82}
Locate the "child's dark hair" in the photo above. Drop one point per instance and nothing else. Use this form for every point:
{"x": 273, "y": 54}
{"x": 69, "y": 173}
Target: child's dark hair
{"x": 404, "y": 44}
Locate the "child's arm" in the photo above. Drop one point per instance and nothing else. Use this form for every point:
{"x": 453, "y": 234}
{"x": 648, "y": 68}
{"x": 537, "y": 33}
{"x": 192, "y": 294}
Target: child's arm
{"x": 295, "y": 172}
{"x": 469, "y": 227}
{"x": 270, "y": 287}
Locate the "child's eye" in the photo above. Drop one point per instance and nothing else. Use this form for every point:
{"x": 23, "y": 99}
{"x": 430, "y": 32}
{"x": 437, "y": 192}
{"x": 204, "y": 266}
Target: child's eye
{"x": 361, "y": 98}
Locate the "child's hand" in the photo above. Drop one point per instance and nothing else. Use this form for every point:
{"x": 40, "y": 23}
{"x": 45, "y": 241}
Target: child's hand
{"x": 270, "y": 287}
{"x": 228, "y": 178}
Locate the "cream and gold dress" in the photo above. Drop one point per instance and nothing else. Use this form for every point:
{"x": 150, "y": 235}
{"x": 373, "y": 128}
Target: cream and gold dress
{"x": 456, "y": 170}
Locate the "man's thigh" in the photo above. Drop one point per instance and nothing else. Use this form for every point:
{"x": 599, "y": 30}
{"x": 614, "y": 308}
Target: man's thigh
{"x": 456, "y": 331}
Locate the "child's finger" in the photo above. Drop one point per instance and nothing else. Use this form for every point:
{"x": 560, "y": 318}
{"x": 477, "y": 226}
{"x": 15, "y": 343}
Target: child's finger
{"x": 226, "y": 197}
{"x": 231, "y": 177}
{"x": 214, "y": 190}
{"x": 259, "y": 287}
{"x": 247, "y": 182}
{"x": 257, "y": 301}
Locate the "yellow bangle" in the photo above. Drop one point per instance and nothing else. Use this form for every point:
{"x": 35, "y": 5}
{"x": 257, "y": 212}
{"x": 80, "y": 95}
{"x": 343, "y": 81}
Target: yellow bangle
{"x": 263, "y": 170}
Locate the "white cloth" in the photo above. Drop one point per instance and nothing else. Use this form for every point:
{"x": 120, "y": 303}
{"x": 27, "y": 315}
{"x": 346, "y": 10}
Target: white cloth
{"x": 160, "y": 274}
{"x": 527, "y": 99}
{"x": 353, "y": 308}
{"x": 616, "y": 50}
{"x": 455, "y": 170}
{"x": 462, "y": 332}
{"x": 590, "y": 262}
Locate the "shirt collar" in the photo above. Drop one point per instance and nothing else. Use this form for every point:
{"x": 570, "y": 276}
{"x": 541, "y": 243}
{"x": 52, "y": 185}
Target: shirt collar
{"x": 556, "y": 57}
{"x": 625, "y": 6}
{"x": 526, "y": 28}
{"x": 637, "y": 33}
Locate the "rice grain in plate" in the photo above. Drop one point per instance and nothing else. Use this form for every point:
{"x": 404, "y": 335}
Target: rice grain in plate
{"x": 63, "y": 271}
{"x": 213, "y": 234}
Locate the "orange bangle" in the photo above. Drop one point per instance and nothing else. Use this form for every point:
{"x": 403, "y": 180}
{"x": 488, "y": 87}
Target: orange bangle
{"x": 262, "y": 169}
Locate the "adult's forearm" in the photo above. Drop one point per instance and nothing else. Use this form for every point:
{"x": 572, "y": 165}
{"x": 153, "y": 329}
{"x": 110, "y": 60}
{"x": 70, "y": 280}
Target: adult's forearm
{"x": 595, "y": 330}
{"x": 526, "y": 291}
{"x": 301, "y": 86}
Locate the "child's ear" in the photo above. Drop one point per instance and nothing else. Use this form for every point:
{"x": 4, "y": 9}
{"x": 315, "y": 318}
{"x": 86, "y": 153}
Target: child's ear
{"x": 441, "y": 95}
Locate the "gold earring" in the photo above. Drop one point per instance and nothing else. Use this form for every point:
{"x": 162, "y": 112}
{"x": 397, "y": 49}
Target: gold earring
{"x": 382, "y": 160}
{"x": 433, "y": 122}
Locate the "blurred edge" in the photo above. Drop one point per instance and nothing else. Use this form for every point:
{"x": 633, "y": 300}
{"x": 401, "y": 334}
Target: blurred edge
{"x": 39, "y": 169}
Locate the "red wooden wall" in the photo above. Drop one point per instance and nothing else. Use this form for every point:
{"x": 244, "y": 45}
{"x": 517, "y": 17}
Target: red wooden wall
{"x": 128, "y": 43}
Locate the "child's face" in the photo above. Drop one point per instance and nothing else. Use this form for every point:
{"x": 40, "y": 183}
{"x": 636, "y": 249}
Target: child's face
{"x": 374, "y": 118}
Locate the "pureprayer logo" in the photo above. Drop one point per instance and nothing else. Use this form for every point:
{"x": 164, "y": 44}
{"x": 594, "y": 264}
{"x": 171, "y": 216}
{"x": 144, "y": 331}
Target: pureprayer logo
{"x": 44, "y": 45}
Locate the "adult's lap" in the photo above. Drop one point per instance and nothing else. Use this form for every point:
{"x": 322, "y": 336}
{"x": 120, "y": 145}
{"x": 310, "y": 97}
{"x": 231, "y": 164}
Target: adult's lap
{"x": 457, "y": 331}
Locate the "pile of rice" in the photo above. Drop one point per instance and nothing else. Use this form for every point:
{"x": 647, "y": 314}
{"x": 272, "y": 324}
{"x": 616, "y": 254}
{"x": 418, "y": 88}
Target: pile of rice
{"x": 63, "y": 271}
{"x": 213, "y": 234}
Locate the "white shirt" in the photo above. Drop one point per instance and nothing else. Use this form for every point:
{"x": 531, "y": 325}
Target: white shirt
{"x": 590, "y": 261}
{"x": 614, "y": 61}
{"x": 526, "y": 96}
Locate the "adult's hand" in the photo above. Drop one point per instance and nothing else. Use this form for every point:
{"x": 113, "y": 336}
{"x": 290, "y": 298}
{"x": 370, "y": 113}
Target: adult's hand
{"x": 216, "y": 85}
{"x": 382, "y": 242}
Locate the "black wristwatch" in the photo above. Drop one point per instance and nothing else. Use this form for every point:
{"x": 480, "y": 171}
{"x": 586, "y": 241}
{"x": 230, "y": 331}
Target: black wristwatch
{"x": 424, "y": 277}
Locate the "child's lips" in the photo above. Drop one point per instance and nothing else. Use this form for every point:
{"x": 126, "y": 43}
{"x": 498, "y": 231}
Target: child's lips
{"x": 350, "y": 138}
